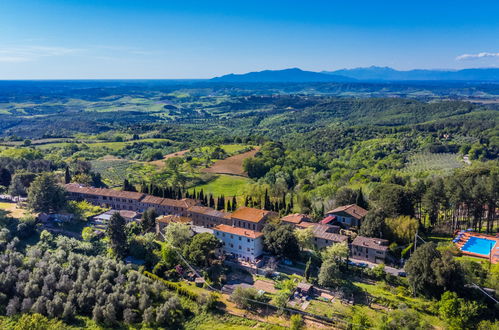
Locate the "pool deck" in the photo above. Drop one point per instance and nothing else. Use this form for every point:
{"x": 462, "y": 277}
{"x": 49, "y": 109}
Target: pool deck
{"x": 495, "y": 250}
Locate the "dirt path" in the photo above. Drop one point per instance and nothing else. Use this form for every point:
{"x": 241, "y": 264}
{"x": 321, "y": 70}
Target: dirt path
{"x": 161, "y": 162}
{"x": 232, "y": 165}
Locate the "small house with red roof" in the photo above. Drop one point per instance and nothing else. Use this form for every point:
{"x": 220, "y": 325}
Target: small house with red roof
{"x": 347, "y": 216}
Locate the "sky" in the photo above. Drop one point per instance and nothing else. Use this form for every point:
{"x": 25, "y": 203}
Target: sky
{"x": 152, "y": 39}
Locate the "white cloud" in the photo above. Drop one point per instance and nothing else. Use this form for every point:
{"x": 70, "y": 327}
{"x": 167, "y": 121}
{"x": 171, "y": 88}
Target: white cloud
{"x": 476, "y": 56}
{"x": 18, "y": 54}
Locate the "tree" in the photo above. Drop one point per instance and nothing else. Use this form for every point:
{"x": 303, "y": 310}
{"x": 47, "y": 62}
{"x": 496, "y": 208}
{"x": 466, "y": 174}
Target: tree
{"x": 20, "y": 183}
{"x": 392, "y": 199}
{"x": 329, "y": 273}
{"x": 177, "y": 234}
{"x": 360, "y": 199}
{"x": 402, "y": 229}
{"x": 117, "y": 236}
{"x": 5, "y": 177}
{"x": 457, "y": 312}
{"x": 345, "y": 196}
{"x": 305, "y": 238}
{"x": 202, "y": 249}
{"x": 280, "y": 240}
{"x": 420, "y": 271}
{"x": 67, "y": 176}
{"x": 45, "y": 195}
{"x": 307, "y": 268}
{"x": 373, "y": 225}
{"x": 297, "y": 322}
{"x": 245, "y": 297}
{"x": 403, "y": 318}
{"x": 149, "y": 220}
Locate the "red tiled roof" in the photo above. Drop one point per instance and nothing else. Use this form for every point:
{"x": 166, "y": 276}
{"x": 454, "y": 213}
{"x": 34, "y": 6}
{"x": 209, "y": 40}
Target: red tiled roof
{"x": 208, "y": 211}
{"x": 238, "y": 231}
{"x": 327, "y": 232}
{"x": 173, "y": 218}
{"x": 372, "y": 243}
{"x": 295, "y": 218}
{"x": 251, "y": 214}
{"x": 76, "y": 188}
{"x": 328, "y": 219}
{"x": 352, "y": 210}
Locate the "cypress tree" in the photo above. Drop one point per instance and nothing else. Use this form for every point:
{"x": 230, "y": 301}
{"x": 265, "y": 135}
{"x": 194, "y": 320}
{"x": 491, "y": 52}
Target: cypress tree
{"x": 234, "y": 203}
{"x": 360, "y": 200}
{"x": 67, "y": 177}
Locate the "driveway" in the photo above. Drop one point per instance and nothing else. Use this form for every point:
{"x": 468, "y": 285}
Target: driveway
{"x": 390, "y": 270}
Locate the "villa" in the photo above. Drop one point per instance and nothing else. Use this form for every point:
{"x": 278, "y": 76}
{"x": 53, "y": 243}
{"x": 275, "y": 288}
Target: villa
{"x": 242, "y": 243}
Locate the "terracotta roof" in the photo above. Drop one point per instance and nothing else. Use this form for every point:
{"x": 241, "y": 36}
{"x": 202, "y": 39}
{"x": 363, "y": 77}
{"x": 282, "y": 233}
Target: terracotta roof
{"x": 149, "y": 199}
{"x": 352, "y": 210}
{"x": 251, "y": 214}
{"x": 76, "y": 188}
{"x": 208, "y": 211}
{"x": 329, "y": 232}
{"x": 328, "y": 219}
{"x": 295, "y": 218}
{"x": 372, "y": 243}
{"x": 185, "y": 203}
{"x": 306, "y": 224}
{"x": 173, "y": 218}
{"x": 238, "y": 231}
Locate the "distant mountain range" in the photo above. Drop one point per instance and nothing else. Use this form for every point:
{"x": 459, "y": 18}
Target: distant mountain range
{"x": 372, "y": 73}
{"x": 287, "y": 75}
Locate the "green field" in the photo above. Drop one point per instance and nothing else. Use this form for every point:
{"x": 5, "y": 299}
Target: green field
{"x": 113, "y": 171}
{"x": 227, "y": 185}
{"x": 423, "y": 162}
{"x": 114, "y": 146}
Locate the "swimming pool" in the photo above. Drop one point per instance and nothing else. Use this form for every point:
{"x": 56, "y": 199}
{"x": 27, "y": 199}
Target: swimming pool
{"x": 479, "y": 245}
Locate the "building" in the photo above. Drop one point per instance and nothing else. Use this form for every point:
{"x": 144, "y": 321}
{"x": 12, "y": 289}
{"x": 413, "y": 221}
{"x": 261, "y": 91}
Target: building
{"x": 296, "y": 219}
{"x": 207, "y": 217}
{"x": 250, "y": 218}
{"x": 128, "y": 200}
{"x": 164, "y": 220}
{"x": 326, "y": 235}
{"x": 370, "y": 249}
{"x": 242, "y": 243}
{"x": 348, "y": 215}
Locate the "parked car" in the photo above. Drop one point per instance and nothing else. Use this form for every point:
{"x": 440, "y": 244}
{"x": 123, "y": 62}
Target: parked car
{"x": 402, "y": 274}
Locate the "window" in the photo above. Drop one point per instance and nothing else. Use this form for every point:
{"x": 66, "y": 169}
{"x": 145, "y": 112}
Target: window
{"x": 240, "y": 247}
{"x": 248, "y": 240}
{"x": 231, "y": 245}
{"x": 239, "y": 237}
{"x": 231, "y": 236}
{"x": 248, "y": 249}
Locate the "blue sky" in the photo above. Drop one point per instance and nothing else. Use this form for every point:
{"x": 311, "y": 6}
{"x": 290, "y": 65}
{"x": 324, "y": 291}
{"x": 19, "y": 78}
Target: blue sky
{"x": 69, "y": 39}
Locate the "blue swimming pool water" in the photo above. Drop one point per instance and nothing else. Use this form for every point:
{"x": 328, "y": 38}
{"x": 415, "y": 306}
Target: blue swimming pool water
{"x": 478, "y": 245}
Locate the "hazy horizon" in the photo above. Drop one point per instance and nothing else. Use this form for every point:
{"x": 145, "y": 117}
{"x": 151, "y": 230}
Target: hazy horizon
{"x": 111, "y": 39}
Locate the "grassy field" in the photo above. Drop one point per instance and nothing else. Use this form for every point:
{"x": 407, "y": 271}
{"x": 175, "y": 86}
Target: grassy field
{"x": 227, "y": 185}
{"x": 423, "y": 162}
{"x": 12, "y": 210}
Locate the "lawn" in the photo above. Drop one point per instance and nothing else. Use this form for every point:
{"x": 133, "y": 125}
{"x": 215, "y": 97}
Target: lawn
{"x": 227, "y": 185}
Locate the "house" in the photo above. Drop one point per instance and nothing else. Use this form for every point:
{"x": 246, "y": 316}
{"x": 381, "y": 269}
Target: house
{"x": 348, "y": 215}
{"x": 295, "y": 219}
{"x": 251, "y": 218}
{"x": 129, "y": 216}
{"x": 128, "y": 200}
{"x": 305, "y": 289}
{"x": 164, "y": 220}
{"x": 243, "y": 243}
{"x": 370, "y": 249}
{"x": 207, "y": 217}
{"x": 326, "y": 235}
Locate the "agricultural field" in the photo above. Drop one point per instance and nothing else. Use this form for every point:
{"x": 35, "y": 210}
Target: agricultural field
{"x": 424, "y": 162}
{"x": 113, "y": 146}
{"x": 11, "y": 209}
{"x": 232, "y": 165}
{"x": 112, "y": 170}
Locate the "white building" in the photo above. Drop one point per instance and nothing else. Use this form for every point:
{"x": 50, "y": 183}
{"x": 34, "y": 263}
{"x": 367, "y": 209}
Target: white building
{"x": 242, "y": 243}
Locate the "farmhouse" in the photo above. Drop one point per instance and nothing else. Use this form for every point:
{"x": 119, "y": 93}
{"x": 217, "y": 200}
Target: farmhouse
{"x": 242, "y": 243}
{"x": 295, "y": 219}
{"x": 164, "y": 220}
{"x": 250, "y": 218}
{"x": 348, "y": 215}
{"x": 128, "y": 200}
{"x": 326, "y": 235}
{"x": 207, "y": 217}
{"x": 370, "y": 249}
